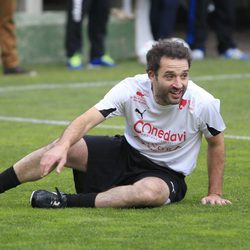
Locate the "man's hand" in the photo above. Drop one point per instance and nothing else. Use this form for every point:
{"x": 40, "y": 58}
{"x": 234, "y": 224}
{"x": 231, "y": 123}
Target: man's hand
{"x": 55, "y": 157}
{"x": 215, "y": 199}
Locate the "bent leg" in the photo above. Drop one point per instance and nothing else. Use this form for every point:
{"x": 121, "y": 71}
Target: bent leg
{"x": 28, "y": 168}
{"x": 77, "y": 159}
{"x": 78, "y": 156}
{"x": 147, "y": 192}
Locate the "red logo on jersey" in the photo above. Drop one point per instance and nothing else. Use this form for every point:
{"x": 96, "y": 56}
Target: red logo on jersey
{"x": 186, "y": 103}
{"x": 182, "y": 104}
{"x": 140, "y": 94}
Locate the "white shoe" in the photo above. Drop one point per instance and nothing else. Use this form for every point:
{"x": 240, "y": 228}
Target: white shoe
{"x": 236, "y": 54}
{"x": 197, "y": 54}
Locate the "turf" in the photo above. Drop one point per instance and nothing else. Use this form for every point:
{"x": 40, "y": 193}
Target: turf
{"x": 186, "y": 225}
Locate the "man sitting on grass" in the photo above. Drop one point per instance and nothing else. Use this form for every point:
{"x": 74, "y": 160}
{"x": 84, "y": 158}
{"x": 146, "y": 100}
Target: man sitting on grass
{"x": 166, "y": 115}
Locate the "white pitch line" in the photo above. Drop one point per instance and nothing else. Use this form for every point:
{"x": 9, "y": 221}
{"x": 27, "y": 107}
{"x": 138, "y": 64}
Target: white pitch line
{"x": 221, "y": 77}
{"x": 50, "y": 86}
{"x": 103, "y": 126}
{"x": 238, "y": 137}
{"x": 50, "y": 122}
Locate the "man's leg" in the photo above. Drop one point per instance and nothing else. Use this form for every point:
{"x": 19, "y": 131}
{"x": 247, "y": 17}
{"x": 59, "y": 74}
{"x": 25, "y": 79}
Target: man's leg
{"x": 197, "y": 24}
{"x": 8, "y": 34}
{"x": 162, "y": 18}
{"x": 147, "y": 192}
{"x": 25, "y": 170}
{"x": 97, "y": 27}
{"x": 225, "y": 24}
{"x": 28, "y": 168}
{"x": 73, "y": 35}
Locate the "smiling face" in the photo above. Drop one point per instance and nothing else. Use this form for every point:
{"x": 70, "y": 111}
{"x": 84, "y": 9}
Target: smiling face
{"x": 170, "y": 82}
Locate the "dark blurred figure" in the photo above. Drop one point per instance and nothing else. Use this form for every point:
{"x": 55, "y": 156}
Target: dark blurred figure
{"x": 223, "y": 22}
{"x": 163, "y": 17}
{"x": 98, "y": 15}
{"x": 9, "y": 55}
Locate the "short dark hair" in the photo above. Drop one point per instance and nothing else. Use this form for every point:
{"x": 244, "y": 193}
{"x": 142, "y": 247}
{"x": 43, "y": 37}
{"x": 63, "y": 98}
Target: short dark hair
{"x": 170, "y": 48}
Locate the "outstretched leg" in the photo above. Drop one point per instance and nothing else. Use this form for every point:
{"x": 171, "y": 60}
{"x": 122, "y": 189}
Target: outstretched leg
{"x": 147, "y": 192}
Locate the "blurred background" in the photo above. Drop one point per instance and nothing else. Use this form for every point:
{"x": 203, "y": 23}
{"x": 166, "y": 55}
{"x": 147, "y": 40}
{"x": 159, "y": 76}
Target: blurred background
{"x": 40, "y": 29}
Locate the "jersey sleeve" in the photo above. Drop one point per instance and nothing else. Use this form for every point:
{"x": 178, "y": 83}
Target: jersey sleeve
{"x": 113, "y": 102}
{"x": 211, "y": 121}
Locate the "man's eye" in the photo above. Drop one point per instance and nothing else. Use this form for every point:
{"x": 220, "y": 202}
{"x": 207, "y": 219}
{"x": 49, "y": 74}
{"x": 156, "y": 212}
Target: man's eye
{"x": 169, "y": 77}
{"x": 184, "y": 76}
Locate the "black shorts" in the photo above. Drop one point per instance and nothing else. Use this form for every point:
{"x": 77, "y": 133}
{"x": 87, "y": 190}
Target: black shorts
{"x": 113, "y": 162}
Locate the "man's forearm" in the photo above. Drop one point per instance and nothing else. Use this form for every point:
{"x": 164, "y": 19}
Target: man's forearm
{"x": 72, "y": 133}
{"x": 79, "y": 127}
{"x": 215, "y": 160}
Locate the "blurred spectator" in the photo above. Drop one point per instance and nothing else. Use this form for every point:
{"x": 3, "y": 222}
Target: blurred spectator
{"x": 98, "y": 15}
{"x": 223, "y": 17}
{"x": 9, "y": 55}
{"x": 154, "y": 20}
{"x": 162, "y": 17}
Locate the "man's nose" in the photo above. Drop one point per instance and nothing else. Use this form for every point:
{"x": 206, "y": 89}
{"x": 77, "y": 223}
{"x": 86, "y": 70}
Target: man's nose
{"x": 177, "y": 82}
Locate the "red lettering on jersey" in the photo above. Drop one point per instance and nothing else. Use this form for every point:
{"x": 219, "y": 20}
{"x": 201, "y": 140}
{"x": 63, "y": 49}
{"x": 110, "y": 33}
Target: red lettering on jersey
{"x": 147, "y": 128}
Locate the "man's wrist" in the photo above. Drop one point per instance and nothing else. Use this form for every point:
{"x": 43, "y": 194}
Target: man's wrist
{"x": 218, "y": 194}
{"x": 64, "y": 144}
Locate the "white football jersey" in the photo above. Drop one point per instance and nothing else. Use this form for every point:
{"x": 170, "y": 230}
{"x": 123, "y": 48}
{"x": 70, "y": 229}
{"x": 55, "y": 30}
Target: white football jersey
{"x": 168, "y": 135}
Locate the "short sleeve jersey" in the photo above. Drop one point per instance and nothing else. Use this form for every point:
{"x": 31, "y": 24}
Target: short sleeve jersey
{"x": 168, "y": 135}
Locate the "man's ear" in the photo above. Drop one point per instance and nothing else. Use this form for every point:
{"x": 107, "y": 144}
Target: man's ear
{"x": 151, "y": 74}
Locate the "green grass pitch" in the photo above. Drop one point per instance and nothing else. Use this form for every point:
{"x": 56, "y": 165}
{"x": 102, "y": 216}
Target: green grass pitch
{"x": 57, "y": 94}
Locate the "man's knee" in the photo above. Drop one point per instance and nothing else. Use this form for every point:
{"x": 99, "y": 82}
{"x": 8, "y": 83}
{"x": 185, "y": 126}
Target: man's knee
{"x": 152, "y": 191}
{"x": 78, "y": 155}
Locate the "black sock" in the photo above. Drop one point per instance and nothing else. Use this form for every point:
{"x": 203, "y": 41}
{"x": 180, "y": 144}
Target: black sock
{"x": 81, "y": 200}
{"x": 8, "y": 180}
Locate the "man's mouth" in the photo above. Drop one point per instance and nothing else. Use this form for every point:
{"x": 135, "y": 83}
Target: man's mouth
{"x": 176, "y": 94}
